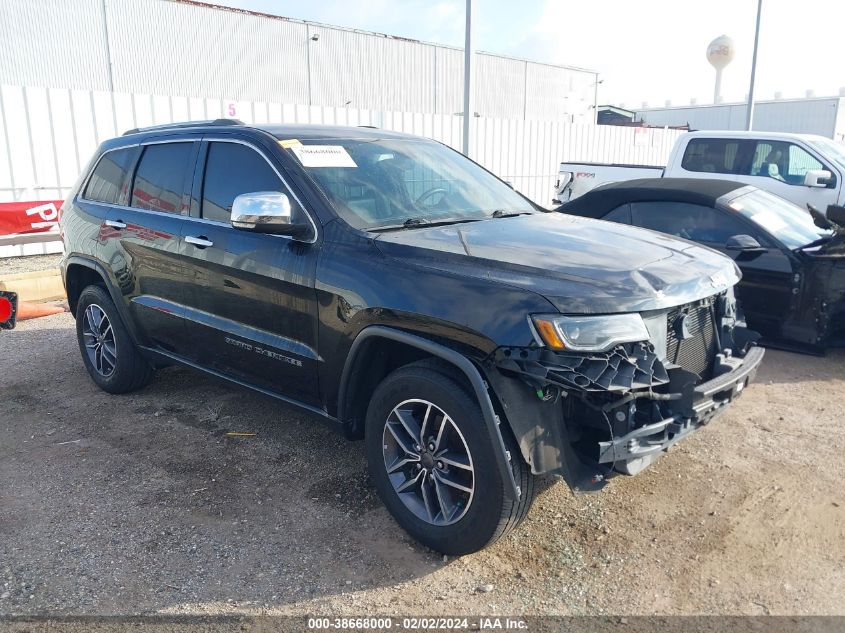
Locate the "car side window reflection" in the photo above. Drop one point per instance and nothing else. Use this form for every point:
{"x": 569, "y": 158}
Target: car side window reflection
{"x": 689, "y": 221}
{"x": 232, "y": 169}
{"x": 160, "y": 179}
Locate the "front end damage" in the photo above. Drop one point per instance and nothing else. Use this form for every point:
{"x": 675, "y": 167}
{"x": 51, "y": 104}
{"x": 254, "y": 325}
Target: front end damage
{"x": 587, "y": 416}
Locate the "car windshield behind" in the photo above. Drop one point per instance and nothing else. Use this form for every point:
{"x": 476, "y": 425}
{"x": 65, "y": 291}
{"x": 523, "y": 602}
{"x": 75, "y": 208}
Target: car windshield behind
{"x": 833, "y": 150}
{"x": 786, "y": 221}
{"x": 390, "y": 182}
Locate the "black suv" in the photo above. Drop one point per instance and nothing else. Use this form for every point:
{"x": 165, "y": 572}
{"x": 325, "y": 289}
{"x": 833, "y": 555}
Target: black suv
{"x": 396, "y": 289}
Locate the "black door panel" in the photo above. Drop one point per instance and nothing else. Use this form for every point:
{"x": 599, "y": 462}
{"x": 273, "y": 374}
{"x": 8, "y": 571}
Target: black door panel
{"x": 766, "y": 289}
{"x": 250, "y": 303}
{"x": 144, "y": 255}
{"x": 251, "y": 307}
{"x": 141, "y": 243}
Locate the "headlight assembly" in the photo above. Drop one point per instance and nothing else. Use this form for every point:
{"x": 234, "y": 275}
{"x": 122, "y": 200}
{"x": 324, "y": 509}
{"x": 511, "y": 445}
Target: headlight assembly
{"x": 590, "y": 333}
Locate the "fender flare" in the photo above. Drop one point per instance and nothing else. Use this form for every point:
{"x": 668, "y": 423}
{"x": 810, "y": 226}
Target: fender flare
{"x": 116, "y": 296}
{"x": 479, "y": 385}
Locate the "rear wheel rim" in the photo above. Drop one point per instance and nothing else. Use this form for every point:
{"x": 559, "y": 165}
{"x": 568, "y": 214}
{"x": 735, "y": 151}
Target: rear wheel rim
{"x": 428, "y": 462}
{"x": 99, "y": 341}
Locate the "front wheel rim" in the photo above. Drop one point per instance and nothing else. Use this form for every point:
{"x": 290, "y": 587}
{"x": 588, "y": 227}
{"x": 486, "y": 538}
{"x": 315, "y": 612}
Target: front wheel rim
{"x": 428, "y": 462}
{"x": 98, "y": 339}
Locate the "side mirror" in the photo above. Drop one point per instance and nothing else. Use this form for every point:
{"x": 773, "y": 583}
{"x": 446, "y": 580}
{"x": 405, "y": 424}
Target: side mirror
{"x": 836, "y": 214}
{"x": 818, "y": 217}
{"x": 743, "y": 243}
{"x": 267, "y": 212}
{"x": 817, "y": 178}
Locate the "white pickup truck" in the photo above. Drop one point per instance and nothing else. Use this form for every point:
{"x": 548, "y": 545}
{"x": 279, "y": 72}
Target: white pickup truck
{"x": 803, "y": 168}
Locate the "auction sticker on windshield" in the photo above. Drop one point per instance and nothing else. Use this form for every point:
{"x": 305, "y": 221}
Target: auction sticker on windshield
{"x": 323, "y": 156}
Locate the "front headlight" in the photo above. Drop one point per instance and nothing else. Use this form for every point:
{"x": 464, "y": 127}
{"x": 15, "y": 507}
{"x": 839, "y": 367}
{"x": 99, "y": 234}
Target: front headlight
{"x": 590, "y": 333}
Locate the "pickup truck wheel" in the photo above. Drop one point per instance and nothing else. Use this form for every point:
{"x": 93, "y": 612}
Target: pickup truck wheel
{"x": 434, "y": 466}
{"x": 109, "y": 355}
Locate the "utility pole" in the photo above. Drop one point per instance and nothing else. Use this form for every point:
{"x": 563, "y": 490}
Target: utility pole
{"x": 469, "y": 76}
{"x": 749, "y": 109}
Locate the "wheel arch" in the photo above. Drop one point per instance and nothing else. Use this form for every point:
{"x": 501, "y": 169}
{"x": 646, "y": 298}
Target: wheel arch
{"x": 358, "y": 381}
{"x": 79, "y": 273}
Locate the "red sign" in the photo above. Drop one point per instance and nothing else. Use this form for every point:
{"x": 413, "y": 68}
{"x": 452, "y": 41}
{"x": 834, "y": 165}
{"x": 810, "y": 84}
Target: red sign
{"x": 29, "y": 217}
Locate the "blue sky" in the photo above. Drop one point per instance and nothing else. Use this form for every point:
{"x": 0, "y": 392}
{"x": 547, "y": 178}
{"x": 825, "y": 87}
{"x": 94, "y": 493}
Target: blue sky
{"x": 648, "y": 50}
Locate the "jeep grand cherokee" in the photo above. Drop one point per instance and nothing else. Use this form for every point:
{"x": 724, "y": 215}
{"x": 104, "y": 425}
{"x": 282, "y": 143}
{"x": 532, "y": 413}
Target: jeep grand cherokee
{"x": 398, "y": 290}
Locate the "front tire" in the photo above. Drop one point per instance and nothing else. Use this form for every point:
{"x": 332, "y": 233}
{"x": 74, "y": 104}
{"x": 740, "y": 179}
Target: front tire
{"x": 109, "y": 355}
{"x": 434, "y": 466}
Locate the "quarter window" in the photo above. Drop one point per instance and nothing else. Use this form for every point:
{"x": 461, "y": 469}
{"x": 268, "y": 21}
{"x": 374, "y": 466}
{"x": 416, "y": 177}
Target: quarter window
{"x": 713, "y": 155}
{"x": 107, "y": 181}
{"x": 689, "y": 221}
{"x": 232, "y": 169}
{"x": 160, "y": 178}
{"x": 621, "y": 214}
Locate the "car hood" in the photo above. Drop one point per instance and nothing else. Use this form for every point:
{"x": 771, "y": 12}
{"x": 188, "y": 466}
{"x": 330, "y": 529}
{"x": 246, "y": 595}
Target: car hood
{"x": 580, "y": 265}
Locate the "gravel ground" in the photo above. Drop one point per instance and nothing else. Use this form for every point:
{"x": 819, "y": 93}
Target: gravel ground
{"x": 14, "y": 265}
{"x": 141, "y": 504}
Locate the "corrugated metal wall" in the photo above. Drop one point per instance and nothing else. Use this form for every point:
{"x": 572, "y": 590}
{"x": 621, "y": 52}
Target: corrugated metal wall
{"x": 500, "y": 91}
{"x": 50, "y": 43}
{"x": 800, "y": 116}
{"x": 48, "y": 135}
{"x": 175, "y": 47}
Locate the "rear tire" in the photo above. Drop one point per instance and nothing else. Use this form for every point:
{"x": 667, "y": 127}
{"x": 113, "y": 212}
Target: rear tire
{"x": 449, "y": 518}
{"x": 109, "y": 355}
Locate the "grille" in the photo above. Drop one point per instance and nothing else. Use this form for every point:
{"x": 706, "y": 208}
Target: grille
{"x": 696, "y": 352}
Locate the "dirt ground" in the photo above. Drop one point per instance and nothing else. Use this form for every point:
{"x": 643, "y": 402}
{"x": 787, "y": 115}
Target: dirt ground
{"x": 141, "y": 504}
{"x": 14, "y": 265}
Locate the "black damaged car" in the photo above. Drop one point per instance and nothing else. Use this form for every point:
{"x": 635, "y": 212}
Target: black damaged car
{"x": 394, "y": 288}
{"x": 793, "y": 264}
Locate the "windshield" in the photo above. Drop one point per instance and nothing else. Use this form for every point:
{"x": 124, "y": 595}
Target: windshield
{"x": 784, "y": 220}
{"x": 832, "y": 150}
{"x": 389, "y": 182}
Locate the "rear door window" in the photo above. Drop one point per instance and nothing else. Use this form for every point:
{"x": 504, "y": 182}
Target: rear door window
{"x": 160, "y": 179}
{"x": 107, "y": 182}
{"x": 689, "y": 221}
{"x": 712, "y": 155}
{"x": 232, "y": 169}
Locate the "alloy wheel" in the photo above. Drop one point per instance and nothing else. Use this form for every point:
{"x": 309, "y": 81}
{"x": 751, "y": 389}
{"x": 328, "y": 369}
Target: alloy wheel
{"x": 99, "y": 341}
{"x": 428, "y": 462}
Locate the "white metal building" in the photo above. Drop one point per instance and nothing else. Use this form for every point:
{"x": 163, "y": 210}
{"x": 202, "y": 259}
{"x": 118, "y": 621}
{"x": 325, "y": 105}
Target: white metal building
{"x": 824, "y": 116}
{"x": 191, "y": 49}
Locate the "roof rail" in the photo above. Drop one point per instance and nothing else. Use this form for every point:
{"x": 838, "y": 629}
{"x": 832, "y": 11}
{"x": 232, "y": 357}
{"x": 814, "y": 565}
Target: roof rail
{"x": 184, "y": 124}
{"x": 372, "y": 127}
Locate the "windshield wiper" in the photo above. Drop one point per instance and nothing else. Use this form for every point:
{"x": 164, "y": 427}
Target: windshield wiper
{"x": 415, "y": 223}
{"x": 819, "y": 242}
{"x": 499, "y": 213}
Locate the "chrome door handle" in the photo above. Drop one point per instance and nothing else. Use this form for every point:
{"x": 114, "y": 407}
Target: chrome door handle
{"x": 199, "y": 242}
{"x": 116, "y": 224}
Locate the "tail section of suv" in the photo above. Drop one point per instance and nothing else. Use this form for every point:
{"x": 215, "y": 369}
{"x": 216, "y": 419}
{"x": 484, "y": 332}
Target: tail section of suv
{"x": 396, "y": 289}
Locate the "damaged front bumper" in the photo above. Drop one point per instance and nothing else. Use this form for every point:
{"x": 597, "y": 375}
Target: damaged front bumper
{"x": 695, "y": 407}
{"x": 586, "y": 417}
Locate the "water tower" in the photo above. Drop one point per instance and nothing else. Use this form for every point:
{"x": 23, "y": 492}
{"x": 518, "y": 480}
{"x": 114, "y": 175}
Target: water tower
{"x": 720, "y": 53}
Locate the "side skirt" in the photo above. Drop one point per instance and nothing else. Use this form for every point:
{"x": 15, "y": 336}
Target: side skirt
{"x": 172, "y": 359}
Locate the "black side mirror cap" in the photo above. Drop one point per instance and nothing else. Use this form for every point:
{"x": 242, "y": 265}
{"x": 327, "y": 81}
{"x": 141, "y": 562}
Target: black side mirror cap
{"x": 744, "y": 243}
{"x": 836, "y": 214}
{"x": 818, "y": 217}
